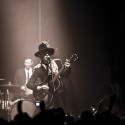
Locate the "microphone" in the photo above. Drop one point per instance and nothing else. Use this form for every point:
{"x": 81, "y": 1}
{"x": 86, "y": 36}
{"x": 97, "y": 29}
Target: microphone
{"x": 48, "y": 57}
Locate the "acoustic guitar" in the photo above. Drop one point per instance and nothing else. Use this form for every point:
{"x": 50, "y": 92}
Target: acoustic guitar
{"x": 54, "y": 84}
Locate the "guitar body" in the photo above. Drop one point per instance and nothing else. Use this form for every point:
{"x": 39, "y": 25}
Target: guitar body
{"x": 54, "y": 85}
{"x": 47, "y": 94}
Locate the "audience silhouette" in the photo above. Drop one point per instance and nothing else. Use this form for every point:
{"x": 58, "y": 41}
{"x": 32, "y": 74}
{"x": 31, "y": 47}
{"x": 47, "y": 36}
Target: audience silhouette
{"x": 57, "y": 116}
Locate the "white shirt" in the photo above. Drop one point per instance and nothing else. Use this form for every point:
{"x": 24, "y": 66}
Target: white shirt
{"x": 28, "y": 91}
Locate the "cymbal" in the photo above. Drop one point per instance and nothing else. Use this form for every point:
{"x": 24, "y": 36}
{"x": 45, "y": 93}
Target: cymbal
{"x": 10, "y": 87}
{"x": 2, "y": 79}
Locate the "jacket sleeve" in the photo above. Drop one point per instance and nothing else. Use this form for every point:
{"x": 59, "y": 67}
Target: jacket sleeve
{"x": 15, "y": 81}
{"x": 32, "y": 81}
{"x": 17, "y": 78}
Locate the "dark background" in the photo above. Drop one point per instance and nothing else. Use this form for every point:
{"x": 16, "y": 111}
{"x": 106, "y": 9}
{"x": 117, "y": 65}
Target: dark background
{"x": 93, "y": 29}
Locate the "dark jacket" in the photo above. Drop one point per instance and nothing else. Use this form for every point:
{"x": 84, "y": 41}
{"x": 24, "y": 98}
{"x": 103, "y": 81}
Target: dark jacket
{"x": 42, "y": 74}
{"x": 20, "y": 77}
{"x": 55, "y": 96}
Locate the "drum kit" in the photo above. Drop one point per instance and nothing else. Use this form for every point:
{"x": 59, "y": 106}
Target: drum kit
{"x": 8, "y": 109}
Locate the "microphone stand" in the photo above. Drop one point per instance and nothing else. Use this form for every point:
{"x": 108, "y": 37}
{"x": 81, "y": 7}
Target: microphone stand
{"x": 52, "y": 82}
{"x": 52, "y": 87}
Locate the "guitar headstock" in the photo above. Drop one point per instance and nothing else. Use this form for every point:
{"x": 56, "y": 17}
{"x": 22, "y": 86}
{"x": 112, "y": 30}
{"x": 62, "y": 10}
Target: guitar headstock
{"x": 73, "y": 58}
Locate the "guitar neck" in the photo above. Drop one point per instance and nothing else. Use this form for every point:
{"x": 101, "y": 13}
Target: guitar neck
{"x": 56, "y": 76}
{"x": 73, "y": 58}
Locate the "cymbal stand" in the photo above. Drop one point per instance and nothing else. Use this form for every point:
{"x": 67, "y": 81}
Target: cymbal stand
{"x": 3, "y": 104}
{"x": 7, "y": 105}
{"x": 0, "y": 102}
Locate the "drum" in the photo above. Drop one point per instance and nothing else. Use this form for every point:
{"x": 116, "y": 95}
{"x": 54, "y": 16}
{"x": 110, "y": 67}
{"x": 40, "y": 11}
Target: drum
{"x": 4, "y": 104}
{"x": 27, "y": 106}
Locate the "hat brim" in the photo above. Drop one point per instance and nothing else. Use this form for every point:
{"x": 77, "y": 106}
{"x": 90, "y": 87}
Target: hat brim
{"x": 49, "y": 51}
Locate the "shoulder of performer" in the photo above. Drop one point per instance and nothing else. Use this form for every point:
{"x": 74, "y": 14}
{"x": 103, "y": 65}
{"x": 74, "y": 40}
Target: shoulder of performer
{"x": 37, "y": 66}
{"x": 58, "y": 62}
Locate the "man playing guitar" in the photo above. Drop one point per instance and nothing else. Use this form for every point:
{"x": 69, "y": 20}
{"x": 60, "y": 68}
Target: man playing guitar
{"x": 50, "y": 72}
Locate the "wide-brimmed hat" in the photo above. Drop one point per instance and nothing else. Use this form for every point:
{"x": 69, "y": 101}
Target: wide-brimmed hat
{"x": 44, "y": 48}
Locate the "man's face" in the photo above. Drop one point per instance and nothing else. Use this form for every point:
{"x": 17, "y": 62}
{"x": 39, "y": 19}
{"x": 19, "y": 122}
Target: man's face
{"x": 28, "y": 63}
{"x": 45, "y": 58}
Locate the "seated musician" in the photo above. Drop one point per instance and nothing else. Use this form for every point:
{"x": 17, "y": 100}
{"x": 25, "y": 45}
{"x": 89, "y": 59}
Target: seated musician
{"x": 21, "y": 78}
